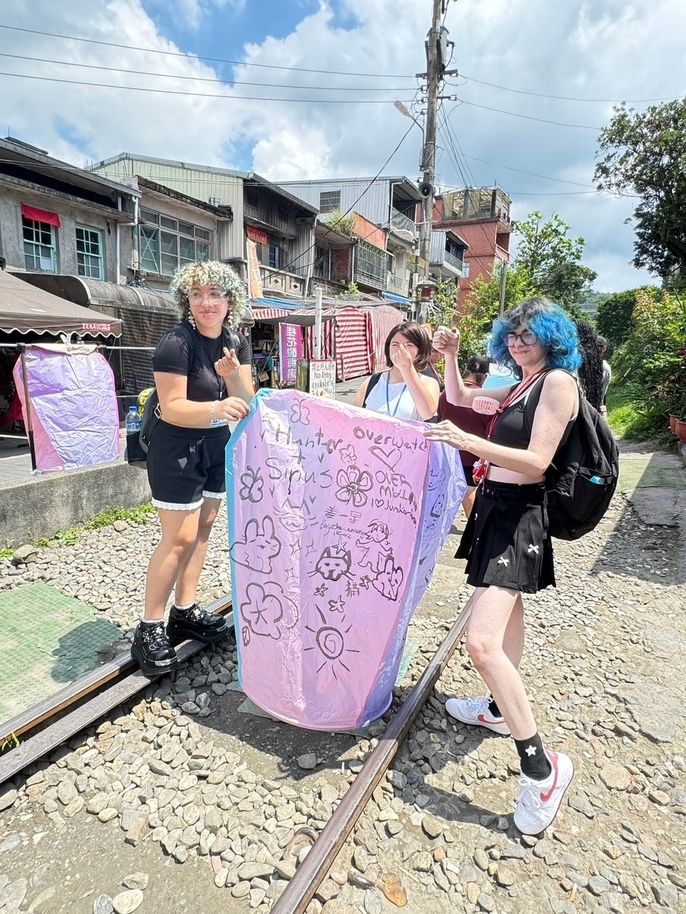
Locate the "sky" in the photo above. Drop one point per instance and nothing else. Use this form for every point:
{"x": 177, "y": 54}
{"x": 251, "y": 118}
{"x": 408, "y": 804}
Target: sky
{"x": 344, "y": 62}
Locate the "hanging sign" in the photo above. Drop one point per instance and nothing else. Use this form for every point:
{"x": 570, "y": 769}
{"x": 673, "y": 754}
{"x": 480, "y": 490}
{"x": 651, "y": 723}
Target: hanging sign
{"x": 254, "y": 277}
{"x": 323, "y": 377}
{"x": 291, "y": 348}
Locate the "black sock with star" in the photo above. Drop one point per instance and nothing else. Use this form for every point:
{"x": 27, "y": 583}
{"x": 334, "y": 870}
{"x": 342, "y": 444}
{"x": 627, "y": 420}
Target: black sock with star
{"x": 532, "y": 758}
{"x": 493, "y": 707}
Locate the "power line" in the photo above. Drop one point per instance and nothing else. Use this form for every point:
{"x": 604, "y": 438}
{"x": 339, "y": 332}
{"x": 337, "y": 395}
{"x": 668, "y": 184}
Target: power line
{"x": 521, "y": 171}
{"x": 566, "y": 98}
{"x": 237, "y": 63}
{"x": 253, "y": 98}
{"x": 528, "y": 117}
{"x": 206, "y": 79}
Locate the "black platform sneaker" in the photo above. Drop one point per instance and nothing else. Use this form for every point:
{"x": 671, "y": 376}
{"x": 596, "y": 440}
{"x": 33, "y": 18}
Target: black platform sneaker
{"x": 196, "y": 623}
{"x": 152, "y": 650}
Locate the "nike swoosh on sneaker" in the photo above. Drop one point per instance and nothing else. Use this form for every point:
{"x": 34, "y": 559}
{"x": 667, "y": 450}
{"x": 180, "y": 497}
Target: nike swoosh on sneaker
{"x": 484, "y": 720}
{"x": 553, "y": 761}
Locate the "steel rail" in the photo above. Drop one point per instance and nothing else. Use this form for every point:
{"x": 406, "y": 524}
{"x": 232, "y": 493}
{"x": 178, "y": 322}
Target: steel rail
{"x": 312, "y": 871}
{"x": 113, "y": 683}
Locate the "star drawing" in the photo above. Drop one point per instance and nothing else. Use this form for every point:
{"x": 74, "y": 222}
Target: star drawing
{"x": 530, "y": 750}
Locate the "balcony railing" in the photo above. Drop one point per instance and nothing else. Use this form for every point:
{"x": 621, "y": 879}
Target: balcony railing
{"x": 401, "y": 221}
{"x": 397, "y": 284}
{"x": 453, "y": 260}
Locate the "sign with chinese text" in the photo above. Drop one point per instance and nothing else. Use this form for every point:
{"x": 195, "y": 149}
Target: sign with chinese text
{"x": 323, "y": 376}
{"x": 291, "y": 348}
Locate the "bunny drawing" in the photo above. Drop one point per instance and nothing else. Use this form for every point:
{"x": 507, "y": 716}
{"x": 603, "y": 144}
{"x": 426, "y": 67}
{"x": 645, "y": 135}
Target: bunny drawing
{"x": 258, "y": 547}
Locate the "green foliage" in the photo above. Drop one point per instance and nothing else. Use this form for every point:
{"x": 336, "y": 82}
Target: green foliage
{"x": 615, "y": 316}
{"x": 135, "y": 516}
{"x": 552, "y": 260}
{"x": 651, "y": 363}
{"x": 350, "y": 291}
{"x": 444, "y": 310}
{"x": 631, "y": 416}
{"x": 483, "y": 304}
{"x": 644, "y": 153}
{"x": 340, "y": 223}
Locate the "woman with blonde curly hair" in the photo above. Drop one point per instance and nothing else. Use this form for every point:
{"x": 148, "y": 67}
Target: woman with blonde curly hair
{"x": 203, "y": 379}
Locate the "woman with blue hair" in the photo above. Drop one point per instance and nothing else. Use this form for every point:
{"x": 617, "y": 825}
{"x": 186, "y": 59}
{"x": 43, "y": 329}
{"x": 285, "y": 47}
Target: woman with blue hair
{"x": 506, "y": 542}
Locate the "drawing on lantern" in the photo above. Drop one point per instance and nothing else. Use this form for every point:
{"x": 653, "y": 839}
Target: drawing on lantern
{"x": 389, "y": 580}
{"x": 267, "y": 611}
{"x": 258, "y": 546}
{"x": 251, "y": 485}
{"x": 375, "y": 545}
{"x": 333, "y": 564}
{"x": 353, "y": 486}
{"x": 330, "y": 642}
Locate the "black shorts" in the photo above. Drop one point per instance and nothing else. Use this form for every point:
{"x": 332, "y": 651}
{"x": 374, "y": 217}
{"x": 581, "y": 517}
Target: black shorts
{"x": 506, "y": 541}
{"x": 186, "y": 465}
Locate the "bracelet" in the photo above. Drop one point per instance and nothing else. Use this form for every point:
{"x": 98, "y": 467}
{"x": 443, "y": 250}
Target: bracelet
{"x": 213, "y": 406}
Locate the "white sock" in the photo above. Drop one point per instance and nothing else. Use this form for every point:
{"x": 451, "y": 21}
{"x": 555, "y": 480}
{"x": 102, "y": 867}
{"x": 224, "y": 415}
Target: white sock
{"x": 151, "y": 621}
{"x": 184, "y": 608}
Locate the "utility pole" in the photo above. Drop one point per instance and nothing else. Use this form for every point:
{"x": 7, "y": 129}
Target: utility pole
{"x": 436, "y": 61}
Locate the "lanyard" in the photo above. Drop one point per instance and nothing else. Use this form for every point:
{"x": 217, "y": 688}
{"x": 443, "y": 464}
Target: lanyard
{"x": 388, "y": 404}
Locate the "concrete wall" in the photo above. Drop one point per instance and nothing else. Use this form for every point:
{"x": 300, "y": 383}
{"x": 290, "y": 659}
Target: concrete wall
{"x": 71, "y": 215}
{"x": 44, "y": 505}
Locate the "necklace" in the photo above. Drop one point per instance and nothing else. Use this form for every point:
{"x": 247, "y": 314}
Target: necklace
{"x": 388, "y": 404}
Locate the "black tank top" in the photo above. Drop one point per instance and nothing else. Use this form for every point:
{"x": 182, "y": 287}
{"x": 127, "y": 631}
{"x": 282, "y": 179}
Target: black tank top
{"x": 513, "y": 426}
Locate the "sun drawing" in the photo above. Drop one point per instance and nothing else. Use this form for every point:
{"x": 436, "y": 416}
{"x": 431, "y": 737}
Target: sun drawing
{"x": 330, "y": 642}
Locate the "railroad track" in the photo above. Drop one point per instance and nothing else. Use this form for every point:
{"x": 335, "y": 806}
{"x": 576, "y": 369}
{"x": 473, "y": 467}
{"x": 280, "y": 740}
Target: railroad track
{"x": 94, "y": 695}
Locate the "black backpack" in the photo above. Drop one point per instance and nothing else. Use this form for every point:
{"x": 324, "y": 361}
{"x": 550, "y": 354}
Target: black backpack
{"x": 582, "y": 478}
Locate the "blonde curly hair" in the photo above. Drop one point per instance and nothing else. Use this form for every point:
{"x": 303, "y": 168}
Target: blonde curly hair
{"x": 212, "y": 273}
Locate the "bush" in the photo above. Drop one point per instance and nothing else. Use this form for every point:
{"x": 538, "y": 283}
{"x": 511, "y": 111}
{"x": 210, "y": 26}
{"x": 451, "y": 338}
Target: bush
{"x": 651, "y": 363}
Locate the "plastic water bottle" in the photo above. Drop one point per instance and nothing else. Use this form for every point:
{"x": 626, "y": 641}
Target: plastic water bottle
{"x": 133, "y": 424}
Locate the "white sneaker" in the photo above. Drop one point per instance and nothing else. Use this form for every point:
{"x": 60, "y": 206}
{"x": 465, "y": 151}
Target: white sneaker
{"x": 474, "y": 711}
{"x": 539, "y": 801}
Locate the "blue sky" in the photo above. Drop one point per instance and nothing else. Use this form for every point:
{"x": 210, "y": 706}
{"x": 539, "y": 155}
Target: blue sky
{"x": 537, "y": 80}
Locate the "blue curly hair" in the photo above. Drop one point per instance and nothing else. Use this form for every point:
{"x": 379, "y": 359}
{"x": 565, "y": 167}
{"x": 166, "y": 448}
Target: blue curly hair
{"x": 554, "y": 330}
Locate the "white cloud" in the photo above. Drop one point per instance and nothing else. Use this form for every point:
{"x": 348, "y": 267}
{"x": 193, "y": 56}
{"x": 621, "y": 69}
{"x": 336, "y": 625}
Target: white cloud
{"x": 602, "y": 49}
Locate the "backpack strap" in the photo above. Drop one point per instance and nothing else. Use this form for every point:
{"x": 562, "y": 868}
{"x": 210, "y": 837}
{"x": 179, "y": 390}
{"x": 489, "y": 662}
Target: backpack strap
{"x": 371, "y": 384}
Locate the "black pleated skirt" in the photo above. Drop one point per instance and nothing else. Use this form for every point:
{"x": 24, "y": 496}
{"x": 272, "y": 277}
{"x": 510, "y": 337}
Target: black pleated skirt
{"x": 506, "y": 541}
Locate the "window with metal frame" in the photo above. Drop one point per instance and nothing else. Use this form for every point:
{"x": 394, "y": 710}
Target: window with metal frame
{"x": 167, "y": 244}
{"x": 89, "y": 252}
{"x": 329, "y": 201}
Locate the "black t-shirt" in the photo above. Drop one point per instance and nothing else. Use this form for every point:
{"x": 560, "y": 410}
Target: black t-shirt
{"x": 184, "y": 351}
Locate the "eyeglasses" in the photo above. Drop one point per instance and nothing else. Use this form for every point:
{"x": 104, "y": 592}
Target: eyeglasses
{"x": 526, "y": 338}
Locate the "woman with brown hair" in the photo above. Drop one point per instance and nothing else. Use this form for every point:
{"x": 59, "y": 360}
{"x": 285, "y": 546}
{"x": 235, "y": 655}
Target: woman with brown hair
{"x": 203, "y": 379}
{"x": 402, "y": 391}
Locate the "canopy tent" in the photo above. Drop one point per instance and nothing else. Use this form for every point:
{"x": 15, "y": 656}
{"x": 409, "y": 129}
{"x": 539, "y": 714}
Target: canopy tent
{"x": 145, "y": 314}
{"x": 26, "y": 309}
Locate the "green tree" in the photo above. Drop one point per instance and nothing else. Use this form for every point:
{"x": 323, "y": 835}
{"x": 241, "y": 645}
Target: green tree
{"x": 644, "y": 153}
{"x": 444, "y": 308}
{"x": 614, "y": 319}
{"x": 483, "y": 304}
{"x": 552, "y": 260}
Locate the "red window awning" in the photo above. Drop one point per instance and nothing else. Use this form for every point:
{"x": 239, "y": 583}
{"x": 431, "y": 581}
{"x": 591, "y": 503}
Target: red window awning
{"x": 40, "y": 215}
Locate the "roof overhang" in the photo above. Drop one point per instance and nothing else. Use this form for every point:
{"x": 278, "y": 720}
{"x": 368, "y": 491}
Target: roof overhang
{"x": 26, "y": 309}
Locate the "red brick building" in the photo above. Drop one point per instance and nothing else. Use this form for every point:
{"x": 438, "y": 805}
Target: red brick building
{"x": 481, "y": 215}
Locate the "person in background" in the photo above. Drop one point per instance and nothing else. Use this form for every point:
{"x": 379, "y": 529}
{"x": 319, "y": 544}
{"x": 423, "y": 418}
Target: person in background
{"x": 601, "y": 343}
{"x": 203, "y": 379}
{"x": 591, "y": 368}
{"x": 506, "y": 541}
{"x": 431, "y": 370}
{"x": 468, "y": 419}
{"x": 402, "y": 391}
